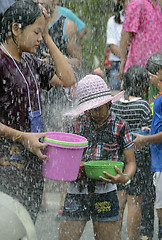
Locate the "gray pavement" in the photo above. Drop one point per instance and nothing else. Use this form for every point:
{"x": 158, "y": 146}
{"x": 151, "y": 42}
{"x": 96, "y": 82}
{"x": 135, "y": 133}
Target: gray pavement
{"x": 47, "y": 224}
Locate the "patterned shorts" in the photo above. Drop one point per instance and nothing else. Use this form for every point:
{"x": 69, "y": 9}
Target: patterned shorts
{"x": 99, "y": 207}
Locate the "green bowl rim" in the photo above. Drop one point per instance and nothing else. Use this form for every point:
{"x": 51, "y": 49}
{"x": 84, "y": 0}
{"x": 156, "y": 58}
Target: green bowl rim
{"x": 119, "y": 163}
{"x": 65, "y": 143}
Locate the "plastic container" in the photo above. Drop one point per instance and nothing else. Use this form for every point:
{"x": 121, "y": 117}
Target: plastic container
{"x": 94, "y": 169}
{"x": 64, "y": 153}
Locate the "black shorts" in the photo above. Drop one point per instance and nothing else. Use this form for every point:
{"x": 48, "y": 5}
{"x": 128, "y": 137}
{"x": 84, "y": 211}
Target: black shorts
{"x": 141, "y": 182}
{"x": 99, "y": 207}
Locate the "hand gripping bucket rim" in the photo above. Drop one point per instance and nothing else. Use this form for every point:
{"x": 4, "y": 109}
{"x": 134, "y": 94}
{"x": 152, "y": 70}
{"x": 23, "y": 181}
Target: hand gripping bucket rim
{"x": 64, "y": 159}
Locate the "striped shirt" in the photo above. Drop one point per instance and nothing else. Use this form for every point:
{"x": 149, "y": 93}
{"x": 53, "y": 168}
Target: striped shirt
{"x": 137, "y": 113}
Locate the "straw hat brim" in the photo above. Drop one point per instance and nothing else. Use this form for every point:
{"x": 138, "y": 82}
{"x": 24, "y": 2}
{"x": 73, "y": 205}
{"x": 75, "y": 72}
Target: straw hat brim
{"x": 93, "y": 103}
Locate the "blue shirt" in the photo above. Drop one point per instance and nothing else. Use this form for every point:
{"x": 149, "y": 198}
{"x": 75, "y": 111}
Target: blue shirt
{"x": 156, "y": 127}
{"x": 69, "y": 14}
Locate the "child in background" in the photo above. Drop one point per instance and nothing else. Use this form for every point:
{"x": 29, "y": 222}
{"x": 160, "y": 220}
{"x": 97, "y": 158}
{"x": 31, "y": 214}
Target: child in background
{"x": 137, "y": 113}
{"x": 154, "y": 66}
{"x": 108, "y": 139}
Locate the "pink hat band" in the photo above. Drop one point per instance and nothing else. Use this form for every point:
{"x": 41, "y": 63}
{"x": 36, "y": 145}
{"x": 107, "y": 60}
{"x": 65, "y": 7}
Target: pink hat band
{"x": 92, "y": 92}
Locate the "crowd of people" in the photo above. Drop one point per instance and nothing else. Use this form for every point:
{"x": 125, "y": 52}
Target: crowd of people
{"x": 40, "y": 65}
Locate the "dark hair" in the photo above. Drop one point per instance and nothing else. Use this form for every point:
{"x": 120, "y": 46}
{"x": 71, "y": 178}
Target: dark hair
{"x": 135, "y": 80}
{"x": 24, "y": 12}
{"x": 117, "y": 8}
{"x": 154, "y": 63}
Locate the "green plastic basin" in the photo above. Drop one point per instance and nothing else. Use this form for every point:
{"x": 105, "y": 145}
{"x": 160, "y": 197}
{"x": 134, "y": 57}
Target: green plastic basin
{"x": 94, "y": 169}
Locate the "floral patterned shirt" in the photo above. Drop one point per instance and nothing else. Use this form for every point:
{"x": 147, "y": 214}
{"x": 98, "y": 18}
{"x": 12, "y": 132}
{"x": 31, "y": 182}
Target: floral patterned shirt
{"x": 144, "y": 21}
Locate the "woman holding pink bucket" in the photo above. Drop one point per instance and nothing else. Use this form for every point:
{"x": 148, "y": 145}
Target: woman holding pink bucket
{"x": 108, "y": 139}
{"x": 22, "y": 27}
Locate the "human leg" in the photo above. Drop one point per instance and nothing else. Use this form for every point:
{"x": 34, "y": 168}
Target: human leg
{"x": 71, "y": 230}
{"x": 158, "y": 204}
{"x": 148, "y": 199}
{"x": 105, "y": 215}
{"x": 105, "y": 230}
{"x": 134, "y": 216}
{"x": 160, "y": 231}
{"x": 159, "y": 213}
{"x": 114, "y": 83}
{"x": 75, "y": 215}
{"x": 122, "y": 197}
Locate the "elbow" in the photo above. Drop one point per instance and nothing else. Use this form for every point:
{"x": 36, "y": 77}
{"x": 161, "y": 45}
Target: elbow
{"x": 83, "y": 33}
{"x": 70, "y": 80}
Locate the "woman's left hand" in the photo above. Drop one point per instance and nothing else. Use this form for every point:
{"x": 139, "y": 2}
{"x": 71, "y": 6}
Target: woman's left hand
{"x": 119, "y": 178}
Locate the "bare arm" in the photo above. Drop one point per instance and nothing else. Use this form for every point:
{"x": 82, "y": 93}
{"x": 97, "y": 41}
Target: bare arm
{"x": 64, "y": 71}
{"x": 83, "y": 32}
{"x": 27, "y": 139}
{"x": 115, "y": 50}
{"x": 130, "y": 169}
{"x": 73, "y": 44}
{"x": 141, "y": 141}
{"x": 124, "y": 46}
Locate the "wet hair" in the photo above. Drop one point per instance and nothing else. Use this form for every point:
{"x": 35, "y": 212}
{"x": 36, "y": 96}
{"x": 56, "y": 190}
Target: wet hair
{"x": 135, "y": 80}
{"x": 23, "y": 12}
{"x": 117, "y": 8}
{"x": 154, "y": 63}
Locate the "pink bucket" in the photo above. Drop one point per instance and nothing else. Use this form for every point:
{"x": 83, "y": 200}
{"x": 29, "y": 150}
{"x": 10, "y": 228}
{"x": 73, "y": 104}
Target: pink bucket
{"x": 64, "y": 153}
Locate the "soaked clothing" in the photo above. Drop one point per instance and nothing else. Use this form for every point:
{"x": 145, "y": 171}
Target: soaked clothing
{"x": 20, "y": 170}
{"x": 156, "y": 127}
{"x": 90, "y": 198}
{"x": 69, "y": 14}
{"x": 137, "y": 113}
{"x": 57, "y": 33}
{"x": 100, "y": 207}
{"x": 105, "y": 143}
{"x": 56, "y": 101}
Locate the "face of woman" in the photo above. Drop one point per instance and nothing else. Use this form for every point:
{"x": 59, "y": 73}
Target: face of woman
{"x": 28, "y": 39}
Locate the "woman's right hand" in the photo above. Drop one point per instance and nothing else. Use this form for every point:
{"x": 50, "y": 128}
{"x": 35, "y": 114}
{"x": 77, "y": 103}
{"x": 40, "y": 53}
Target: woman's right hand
{"x": 31, "y": 142}
{"x": 45, "y": 32}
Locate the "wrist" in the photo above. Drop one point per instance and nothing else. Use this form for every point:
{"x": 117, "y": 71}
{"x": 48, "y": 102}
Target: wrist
{"x": 18, "y": 137}
{"x": 46, "y": 38}
{"x": 123, "y": 60}
{"x": 128, "y": 179}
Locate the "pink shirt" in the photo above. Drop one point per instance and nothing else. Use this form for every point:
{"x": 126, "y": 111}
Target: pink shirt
{"x": 145, "y": 23}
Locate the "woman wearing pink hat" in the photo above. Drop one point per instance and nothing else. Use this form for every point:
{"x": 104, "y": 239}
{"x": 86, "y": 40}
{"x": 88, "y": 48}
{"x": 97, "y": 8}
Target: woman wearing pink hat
{"x": 108, "y": 139}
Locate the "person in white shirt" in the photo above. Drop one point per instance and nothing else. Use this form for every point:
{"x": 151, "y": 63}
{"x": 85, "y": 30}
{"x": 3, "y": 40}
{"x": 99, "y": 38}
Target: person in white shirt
{"x": 114, "y": 29}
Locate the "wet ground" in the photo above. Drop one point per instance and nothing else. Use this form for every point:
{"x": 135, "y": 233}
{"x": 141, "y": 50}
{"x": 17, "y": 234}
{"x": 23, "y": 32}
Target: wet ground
{"x": 47, "y": 222}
